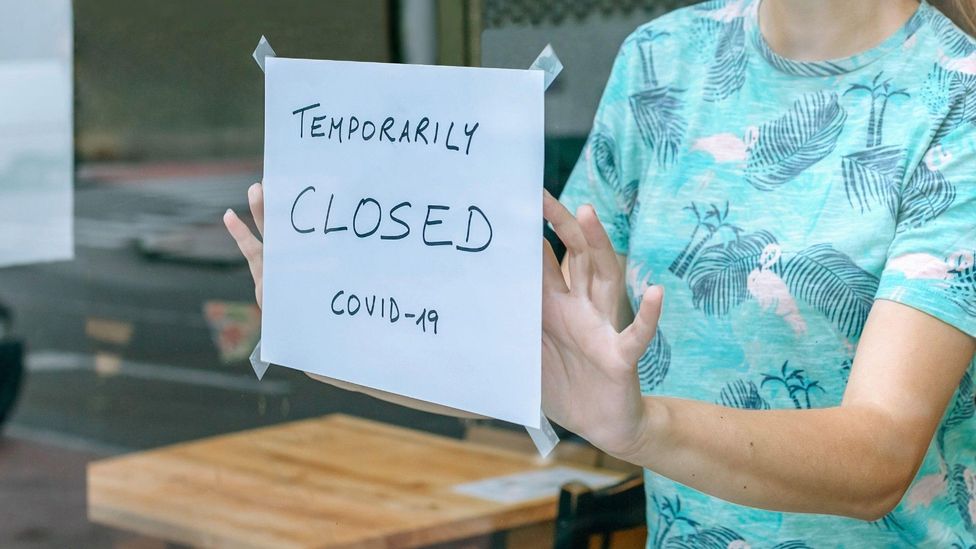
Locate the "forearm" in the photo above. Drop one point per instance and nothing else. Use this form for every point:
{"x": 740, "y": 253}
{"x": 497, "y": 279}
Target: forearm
{"x": 847, "y": 460}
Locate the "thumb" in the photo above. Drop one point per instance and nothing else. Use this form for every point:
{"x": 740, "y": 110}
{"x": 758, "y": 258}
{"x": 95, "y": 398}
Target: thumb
{"x": 636, "y": 337}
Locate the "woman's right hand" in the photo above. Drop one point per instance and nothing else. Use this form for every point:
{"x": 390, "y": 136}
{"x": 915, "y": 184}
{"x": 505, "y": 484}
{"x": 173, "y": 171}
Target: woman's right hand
{"x": 250, "y": 245}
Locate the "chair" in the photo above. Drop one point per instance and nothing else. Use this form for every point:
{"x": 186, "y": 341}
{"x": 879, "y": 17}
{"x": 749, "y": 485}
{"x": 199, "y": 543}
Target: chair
{"x": 585, "y": 513}
{"x": 11, "y": 364}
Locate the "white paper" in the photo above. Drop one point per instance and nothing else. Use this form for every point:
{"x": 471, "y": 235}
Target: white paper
{"x": 485, "y": 356}
{"x": 543, "y": 483}
{"x": 36, "y": 147}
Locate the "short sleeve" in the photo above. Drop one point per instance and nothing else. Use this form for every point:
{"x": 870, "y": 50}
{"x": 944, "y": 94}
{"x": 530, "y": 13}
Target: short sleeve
{"x": 607, "y": 173}
{"x": 930, "y": 264}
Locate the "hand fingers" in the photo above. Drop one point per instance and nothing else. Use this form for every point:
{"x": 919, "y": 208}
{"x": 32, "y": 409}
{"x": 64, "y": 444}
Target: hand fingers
{"x": 568, "y": 230}
{"x": 605, "y": 283}
{"x": 552, "y": 276}
{"x": 255, "y": 198}
{"x": 564, "y": 224}
{"x": 249, "y": 245}
{"x": 636, "y": 337}
{"x": 604, "y": 256}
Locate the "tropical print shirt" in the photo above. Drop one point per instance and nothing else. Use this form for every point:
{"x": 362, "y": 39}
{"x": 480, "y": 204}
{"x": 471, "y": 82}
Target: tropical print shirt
{"x": 775, "y": 201}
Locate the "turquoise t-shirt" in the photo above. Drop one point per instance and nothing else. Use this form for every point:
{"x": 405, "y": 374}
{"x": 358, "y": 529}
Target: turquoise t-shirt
{"x": 775, "y": 201}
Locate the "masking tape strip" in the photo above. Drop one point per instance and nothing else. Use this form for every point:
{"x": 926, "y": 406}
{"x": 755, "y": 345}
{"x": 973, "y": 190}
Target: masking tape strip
{"x": 260, "y": 366}
{"x": 263, "y": 50}
{"x": 545, "y": 437}
{"x": 549, "y": 63}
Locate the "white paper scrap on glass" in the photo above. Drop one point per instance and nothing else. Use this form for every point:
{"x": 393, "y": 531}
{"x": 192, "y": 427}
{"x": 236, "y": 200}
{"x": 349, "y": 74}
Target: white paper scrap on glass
{"x": 532, "y": 485}
{"x": 403, "y": 206}
{"x": 36, "y": 131}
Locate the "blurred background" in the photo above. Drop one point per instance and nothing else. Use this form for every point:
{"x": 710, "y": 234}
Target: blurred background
{"x": 142, "y": 339}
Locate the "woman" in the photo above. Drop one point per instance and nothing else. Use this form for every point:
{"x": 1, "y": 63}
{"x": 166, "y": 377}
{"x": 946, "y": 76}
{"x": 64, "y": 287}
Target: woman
{"x": 800, "y": 177}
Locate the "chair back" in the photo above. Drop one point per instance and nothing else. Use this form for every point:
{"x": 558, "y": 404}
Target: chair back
{"x": 585, "y": 513}
{"x": 11, "y": 372}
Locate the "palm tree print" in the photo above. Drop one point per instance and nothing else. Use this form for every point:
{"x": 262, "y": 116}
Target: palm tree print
{"x": 711, "y": 221}
{"x": 796, "y": 384}
{"x": 711, "y": 5}
{"x": 653, "y": 365}
{"x": 957, "y": 43}
{"x": 961, "y": 544}
{"x": 962, "y": 285}
{"x": 703, "y": 35}
{"x": 960, "y": 494}
{"x": 635, "y": 210}
{"x": 721, "y": 537}
{"x": 743, "y": 395}
{"x": 951, "y": 97}
{"x": 823, "y": 277}
{"x": 963, "y": 409}
{"x": 687, "y": 255}
{"x": 877, "y": 89}
{"x": 832, "y": 283}
{"x": 603, "y": 157}
{"x": 719, "y": 280}
{"x": 718, "y": 537}
{"x": 926, "y": 196}
{"x": 845, "y": 369}
{"x": 668, "y": 515}
{"x": 727, "y": 73}
{"x": 657, "y": 109}
{"x": 787, "y": 146}
{"x": 963, "y": 406}
{"x": 657, "y": 113}
{"x": 872, "y": 176}
{"x": 603, "y": 152}
{"x": 645, "y": 49}
{"x": 888, "y": 522}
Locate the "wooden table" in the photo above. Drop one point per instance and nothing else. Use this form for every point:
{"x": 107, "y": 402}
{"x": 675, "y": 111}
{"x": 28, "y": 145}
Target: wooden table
{"x": 335, "y": 481}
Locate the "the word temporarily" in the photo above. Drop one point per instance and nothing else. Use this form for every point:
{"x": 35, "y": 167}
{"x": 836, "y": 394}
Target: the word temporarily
{"x": 350, "y": 127}
{"x": 370, "y": 218}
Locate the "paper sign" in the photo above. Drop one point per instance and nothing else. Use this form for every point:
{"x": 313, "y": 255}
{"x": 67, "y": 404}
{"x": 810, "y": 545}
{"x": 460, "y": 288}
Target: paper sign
{"x": 36, "y": 147}
{"x": 531, "y": 485}
{"x": 402, "y": 236}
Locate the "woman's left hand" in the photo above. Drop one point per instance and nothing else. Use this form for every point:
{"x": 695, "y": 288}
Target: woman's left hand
{"x": 589, "y": 370}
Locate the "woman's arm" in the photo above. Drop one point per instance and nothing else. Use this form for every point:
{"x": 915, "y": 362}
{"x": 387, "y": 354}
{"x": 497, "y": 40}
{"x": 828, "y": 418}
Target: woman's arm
{"x": 856, "y": 459}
